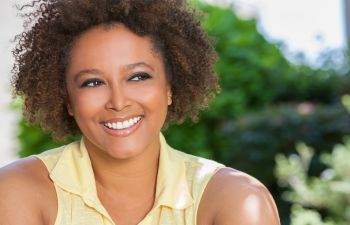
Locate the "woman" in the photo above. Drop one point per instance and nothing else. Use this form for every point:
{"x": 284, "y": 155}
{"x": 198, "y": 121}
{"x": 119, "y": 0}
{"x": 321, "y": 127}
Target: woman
{"x": 117, "y": 72}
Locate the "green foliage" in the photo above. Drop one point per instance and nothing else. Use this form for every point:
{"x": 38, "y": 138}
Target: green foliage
{"x": 302, "y": 216}
{"x": 258, "y": 137}
{"x": 247, "y": 62}
{"x": 317, "y": 200}
{"x": 253, "y": 73}
{"x": 33, "y": 140}
{"x": 322, "y": 199}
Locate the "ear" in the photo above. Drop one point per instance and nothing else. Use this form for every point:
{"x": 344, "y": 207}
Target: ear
{"x": 170, "y": 95}
{"x": 69, "y": 109}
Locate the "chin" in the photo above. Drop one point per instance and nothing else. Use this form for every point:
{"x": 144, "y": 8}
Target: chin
{"x": 123, "y": 154}
{"x": 125, "y": 150}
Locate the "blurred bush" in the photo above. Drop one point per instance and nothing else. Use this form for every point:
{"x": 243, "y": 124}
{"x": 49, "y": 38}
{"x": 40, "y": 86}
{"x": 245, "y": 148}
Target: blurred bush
{"x": 258, "y": 137}
{"x": 32, "y": 140}
{"x": 322, "y": 200}
{"x": 253, "y": 72}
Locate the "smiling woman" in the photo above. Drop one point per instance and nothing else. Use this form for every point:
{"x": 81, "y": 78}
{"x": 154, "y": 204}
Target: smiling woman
{"x": 118, "y": 92}
{"x": 117, "y": 72}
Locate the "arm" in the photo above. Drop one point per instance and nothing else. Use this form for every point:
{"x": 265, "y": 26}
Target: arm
{"x": 20, "y": 194}
{"x": 235, "y": 198}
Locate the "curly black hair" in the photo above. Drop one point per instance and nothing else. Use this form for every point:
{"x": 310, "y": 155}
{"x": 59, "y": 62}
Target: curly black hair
{"x": 51, "y": 26}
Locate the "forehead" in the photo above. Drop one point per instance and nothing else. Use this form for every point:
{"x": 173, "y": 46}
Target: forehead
{"x": 115, "y": 42}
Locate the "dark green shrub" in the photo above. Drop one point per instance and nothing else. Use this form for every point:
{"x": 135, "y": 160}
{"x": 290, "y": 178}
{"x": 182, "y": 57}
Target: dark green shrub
{"x": 257, "y": 138}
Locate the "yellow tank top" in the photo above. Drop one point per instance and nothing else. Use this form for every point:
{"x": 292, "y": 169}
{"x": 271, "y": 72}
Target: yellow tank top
{"x": 181, "y": 181}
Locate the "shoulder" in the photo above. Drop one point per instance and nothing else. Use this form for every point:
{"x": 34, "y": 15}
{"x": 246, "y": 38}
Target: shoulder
{"x": 22, "y": 176}
{"x": 24, "y": 188}
{"x": 233, "y": 197}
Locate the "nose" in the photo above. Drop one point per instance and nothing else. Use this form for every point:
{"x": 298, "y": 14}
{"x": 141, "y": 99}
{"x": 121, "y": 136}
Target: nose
{"x": 117, "y": 99}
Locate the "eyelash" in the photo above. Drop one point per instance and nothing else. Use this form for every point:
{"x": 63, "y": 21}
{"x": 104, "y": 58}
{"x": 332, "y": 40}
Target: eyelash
{"x": 97, "y": 82}
{"x": 92, "y": 83}
{"x": 140, "y": 76}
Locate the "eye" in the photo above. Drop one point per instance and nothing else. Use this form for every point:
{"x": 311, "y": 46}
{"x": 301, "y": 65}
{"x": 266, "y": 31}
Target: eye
{"x": 140, "y": 77}
{"x": 92, "y": 83}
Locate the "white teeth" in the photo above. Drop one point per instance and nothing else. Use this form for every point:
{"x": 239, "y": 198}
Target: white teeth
{"x": 124, "y": 124}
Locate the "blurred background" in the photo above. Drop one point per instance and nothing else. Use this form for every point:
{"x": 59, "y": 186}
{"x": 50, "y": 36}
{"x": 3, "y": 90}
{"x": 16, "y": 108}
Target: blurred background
{"x": 282, "y": 116}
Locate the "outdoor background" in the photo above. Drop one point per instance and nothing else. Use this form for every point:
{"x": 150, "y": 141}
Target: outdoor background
{"x": 283, "y": 115}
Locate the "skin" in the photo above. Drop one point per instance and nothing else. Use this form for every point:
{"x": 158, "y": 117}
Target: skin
{"x": 106, "y": 81}
{"x": 235, "y": 198}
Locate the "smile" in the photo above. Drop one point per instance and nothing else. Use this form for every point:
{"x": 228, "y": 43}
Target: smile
{"x": 123, "y": 124}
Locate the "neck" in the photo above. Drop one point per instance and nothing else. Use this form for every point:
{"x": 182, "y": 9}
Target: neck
{"x": 135, "y": 176}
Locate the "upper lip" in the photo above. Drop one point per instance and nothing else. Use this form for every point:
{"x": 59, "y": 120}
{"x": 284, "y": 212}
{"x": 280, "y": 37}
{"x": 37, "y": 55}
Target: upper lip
{"x": 120, "y": 119}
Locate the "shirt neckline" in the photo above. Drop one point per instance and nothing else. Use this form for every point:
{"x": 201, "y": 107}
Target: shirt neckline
{"x": 73, "y": 173}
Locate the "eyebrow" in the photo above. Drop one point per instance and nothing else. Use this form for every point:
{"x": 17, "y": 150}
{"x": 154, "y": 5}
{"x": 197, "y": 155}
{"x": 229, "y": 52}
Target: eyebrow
{"x": 86, "y": 71}
{"x": 139, "y": 64}
{"x": 97, "y": 72}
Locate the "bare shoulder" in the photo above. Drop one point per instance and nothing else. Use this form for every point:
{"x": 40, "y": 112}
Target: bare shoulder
{"x": 233, "y": 197}
{"x": 25, "y": 190}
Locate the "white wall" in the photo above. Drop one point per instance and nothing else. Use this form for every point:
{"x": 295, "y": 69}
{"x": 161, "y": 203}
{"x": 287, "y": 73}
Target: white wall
{"x": 9, "y": 26}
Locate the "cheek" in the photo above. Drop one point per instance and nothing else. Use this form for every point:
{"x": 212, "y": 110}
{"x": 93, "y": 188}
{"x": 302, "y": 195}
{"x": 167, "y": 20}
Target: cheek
{"x": 154, "y": 99}
{"x": 86, "y": 102}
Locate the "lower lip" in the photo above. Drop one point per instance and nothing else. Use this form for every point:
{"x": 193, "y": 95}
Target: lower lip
{"x": 123, "y": 132}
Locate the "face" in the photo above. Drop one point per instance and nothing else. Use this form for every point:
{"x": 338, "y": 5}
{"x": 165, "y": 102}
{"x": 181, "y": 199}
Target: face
{"x": 118, "y": 92}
